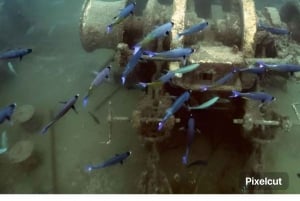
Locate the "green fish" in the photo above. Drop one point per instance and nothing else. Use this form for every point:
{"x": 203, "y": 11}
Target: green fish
{"x": 205, "y": 104}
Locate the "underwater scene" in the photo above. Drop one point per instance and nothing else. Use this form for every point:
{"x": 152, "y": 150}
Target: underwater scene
{"x": 149, "y": 97}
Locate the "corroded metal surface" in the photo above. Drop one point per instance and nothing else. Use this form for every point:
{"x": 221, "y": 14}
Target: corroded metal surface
{"x": 249, "y": 26}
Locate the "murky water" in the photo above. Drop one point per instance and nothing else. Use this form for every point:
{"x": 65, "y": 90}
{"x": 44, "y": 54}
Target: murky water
{"x": 57, "y": 69}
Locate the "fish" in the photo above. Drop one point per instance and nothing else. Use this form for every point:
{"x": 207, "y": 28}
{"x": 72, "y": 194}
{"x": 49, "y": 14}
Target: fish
{"x": 174, "y": 108}
{"x": 11, "y": 68}
{"x": 15, "y": 53}
{"x": 118, "y": 158}
{"x": 274, "y": 30}
{"x": 285, "y": 68}
{"x": 177, "y": 53}
{"x": 220, "y": 81}
{"x": 258, "y": 96}
{"x": 4, "y": 146}
{"x": 190, "y": 138}
{"x": 162, "y": 80}
{"x": 70, "y": 104}
{"x": 169, "y": 75}
{"x": 193, "y": 29}
{"x": 158, "y": 32}
{"x": 258, "y": 70}
{"x": 94, "y": 117}
{"x": 124, "y": 13}
{"x": 186, "y": 69}
{"x": 133, "y": 61}
{"x": 101, "y": 76}
{"x": 205, "y": 104}
{"x": 7, "y": 112}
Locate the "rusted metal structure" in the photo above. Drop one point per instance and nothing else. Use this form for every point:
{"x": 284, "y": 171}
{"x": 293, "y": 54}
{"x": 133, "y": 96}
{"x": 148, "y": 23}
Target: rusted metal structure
{"x": 231, "y": 41}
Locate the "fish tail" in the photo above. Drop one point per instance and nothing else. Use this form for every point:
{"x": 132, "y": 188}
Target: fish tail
{"x": 11, "y": 68}
{"x": 178, "y": 37}
{"x": 160, "y": 125}
{"x": 88, "y": 168}
{"x": 45, "y": 129}
{"x": 3, "y": 147}
{"x": 123, "y": 79}
{"x": 149, "y": 53}
{"x": 204, "y": 88}
{"x": 142, "y": 85}
{"x": 235, "y": 94}
{"x": 136, "y": 48}
{"x": 109, "y": 28}
{"x": 85, "y": 101}
{"x": 184, "y": 159}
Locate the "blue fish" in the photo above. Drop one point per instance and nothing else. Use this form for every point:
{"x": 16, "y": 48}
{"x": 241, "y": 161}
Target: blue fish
{"x": 220, "y": 81}
{"x": 258, "y": 69}
{"x": 158, "y": 32}
{"x": 258, "y": 96}
{"x": 174, "y": 108}
{"x": 15, "y": 53}
{"x": 133, "y": 61}
{"x": 178, "y": 53}
{"x": 274, "y": 30}
{"x": 162, "y": 80}
{"x": 286, "y": 68}
{"x": 99, "y": 79}
{"x": 190, "y": 138}
{"x": 118, "y": 158}
{"x": 193, "y": 29}
{"x": 124, "y": 13}
{"x": 70, "y": 104}
{"x": 7, "y": 112}
{"x": 4, "y": 146}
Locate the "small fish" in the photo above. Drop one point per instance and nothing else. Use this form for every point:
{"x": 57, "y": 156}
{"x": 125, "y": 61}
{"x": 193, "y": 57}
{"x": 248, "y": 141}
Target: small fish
{"x": 220, "y": 81}
{"x": 118, "y": 158}
{"x": 259, "y": 96}
{"x": 7, "y": 112}
{"x": 94, "y": 117}
{"x": 15, "y": 53}
{"x": 178, "y": 53}
{"x": 193, "y": 29}
{"x": 205, "y": 104}
{"x": 4, "y": 146}
{"x": 133, "y": 61}
{"x": 11, "y": 68}
{"x": 162, "y": 80}
{"x": 186, "y": 69}
{"x": 124, "y": 13}
{"x": 70, "y": 104}
{"x": 285, "y": 68}
{"x": 99, "y": 79}
{"x": 158, "y": 32}
{"x": 190, "y": 138}
{"x": 274, "y": 30}
{"x": 174, "y": 108}
{"x": 257, "y": 69}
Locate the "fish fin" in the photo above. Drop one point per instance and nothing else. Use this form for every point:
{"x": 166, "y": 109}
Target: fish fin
{"x": 183, "y": 60}
{"x": 74, "y": 109}
{"x": 21, "y": 58}
{"x": 121, "y": 162}
{"x": 63, "y": 102}
{"x": 8, "y": 118}
{"x": 131, "y": 12}
{"x": 11, "y": 68}
{"x": 109, "y": 28}
{"x": 85, "y": 101}
{"x": 234, "y": 94}
{"x": 292, "y": 73}
{"x": 149, "y": 53}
